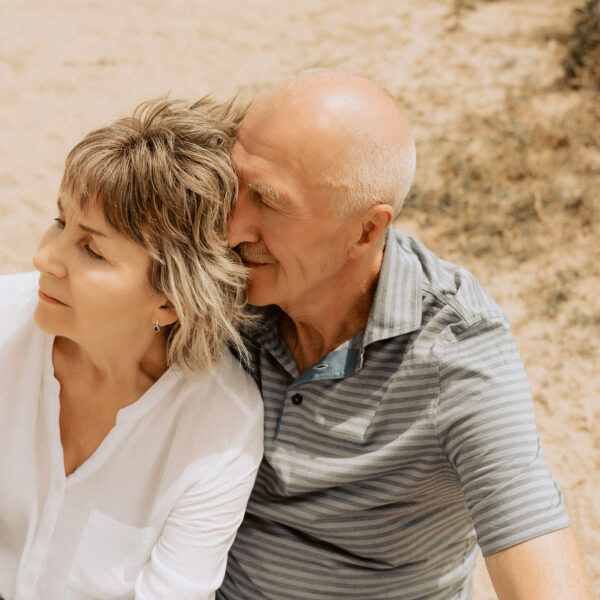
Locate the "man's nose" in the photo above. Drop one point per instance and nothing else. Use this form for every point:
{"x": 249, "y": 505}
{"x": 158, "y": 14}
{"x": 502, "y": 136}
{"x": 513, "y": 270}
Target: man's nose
{"x": 243, "y": 224}
{"x": 49, "y": 257}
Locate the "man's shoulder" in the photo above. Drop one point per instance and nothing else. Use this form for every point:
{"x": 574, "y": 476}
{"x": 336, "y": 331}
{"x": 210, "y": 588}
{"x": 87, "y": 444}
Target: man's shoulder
{"x": 444, "y": 284}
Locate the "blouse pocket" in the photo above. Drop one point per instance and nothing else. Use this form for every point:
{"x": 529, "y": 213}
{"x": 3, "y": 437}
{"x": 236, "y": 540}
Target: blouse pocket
{"x": 109, "y": 557}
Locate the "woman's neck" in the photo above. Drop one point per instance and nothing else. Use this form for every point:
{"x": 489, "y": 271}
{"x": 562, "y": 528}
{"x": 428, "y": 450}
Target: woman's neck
{"x": 131, "y": 372}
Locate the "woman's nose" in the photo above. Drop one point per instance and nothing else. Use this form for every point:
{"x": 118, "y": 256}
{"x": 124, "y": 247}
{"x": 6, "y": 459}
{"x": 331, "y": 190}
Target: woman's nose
{"x": 48, "y": 258}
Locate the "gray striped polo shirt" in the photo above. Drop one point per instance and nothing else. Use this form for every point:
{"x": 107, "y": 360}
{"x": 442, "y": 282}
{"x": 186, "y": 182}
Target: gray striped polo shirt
{"x": 393, "y": 456}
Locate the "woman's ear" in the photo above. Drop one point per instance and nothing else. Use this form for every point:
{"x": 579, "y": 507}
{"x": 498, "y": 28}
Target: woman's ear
{"x": 166, "y": 314}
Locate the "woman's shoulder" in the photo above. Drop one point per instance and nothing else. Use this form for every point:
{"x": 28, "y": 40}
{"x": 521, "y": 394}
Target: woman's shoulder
{"x": 229, "y": 387}
{"x": 224, "y": 406}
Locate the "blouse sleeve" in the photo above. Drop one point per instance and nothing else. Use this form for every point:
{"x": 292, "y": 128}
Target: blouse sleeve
{"x": 189, "y": 558}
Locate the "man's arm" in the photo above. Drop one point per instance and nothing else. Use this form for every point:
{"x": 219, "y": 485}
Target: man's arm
{"x": 548, "y": 567}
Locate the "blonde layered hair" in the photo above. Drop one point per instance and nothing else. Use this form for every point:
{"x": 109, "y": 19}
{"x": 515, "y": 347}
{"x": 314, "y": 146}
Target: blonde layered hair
{"x": 164, "y": 179}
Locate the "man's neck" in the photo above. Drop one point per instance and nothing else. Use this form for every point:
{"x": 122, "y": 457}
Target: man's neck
{"x": 321, "y": 324}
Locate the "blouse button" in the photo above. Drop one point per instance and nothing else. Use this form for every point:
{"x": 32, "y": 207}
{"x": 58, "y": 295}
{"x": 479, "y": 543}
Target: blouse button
{"x": 297, "y": 399}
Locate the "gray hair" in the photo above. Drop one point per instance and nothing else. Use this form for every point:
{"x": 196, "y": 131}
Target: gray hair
{"x": 372, "y": 172}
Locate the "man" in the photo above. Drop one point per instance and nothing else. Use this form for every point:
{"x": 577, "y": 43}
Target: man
{"x": 399, "y": 427}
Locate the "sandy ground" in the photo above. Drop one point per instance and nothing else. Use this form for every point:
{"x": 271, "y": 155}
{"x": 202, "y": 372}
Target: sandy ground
{"x": 68, "y": 67}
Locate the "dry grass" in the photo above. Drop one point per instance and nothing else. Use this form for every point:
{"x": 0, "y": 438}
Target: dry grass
{"x": 517, "y": 191}
{"x": 506, "y": 188}
{"x": 582, "y": 64}
{"x": 460, "y": 8}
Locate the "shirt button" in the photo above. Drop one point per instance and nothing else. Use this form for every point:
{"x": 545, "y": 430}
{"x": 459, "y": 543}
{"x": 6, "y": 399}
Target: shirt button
{"x": 297, "y": 399}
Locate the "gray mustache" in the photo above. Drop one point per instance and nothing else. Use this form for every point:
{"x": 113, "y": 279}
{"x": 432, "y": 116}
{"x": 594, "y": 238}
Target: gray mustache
{"x": 254, "y": 253}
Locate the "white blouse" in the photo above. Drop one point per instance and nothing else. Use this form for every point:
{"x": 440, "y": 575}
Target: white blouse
{"x": 152, "y": 513}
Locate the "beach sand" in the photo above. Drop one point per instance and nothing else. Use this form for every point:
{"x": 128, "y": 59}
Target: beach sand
{"x": 69, "y": 67}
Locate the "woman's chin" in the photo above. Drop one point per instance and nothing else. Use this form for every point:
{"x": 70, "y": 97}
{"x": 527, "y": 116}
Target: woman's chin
{"x": 48, "y": 323}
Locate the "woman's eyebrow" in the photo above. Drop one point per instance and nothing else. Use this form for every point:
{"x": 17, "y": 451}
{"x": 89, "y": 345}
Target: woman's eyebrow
{"x": 81, "y": 226}
{"x": 90, "y": 230}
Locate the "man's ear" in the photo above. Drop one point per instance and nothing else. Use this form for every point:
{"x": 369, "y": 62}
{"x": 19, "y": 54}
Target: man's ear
{"x": 166, "y": 314}
{"x": 374, "y": 223}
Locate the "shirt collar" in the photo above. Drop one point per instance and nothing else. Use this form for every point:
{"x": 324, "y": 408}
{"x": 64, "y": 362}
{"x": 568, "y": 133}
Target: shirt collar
{"x": 398, "y": 302}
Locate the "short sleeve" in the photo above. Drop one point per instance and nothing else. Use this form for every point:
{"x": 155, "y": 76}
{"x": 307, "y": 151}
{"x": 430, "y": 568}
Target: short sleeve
{"x": 485, "y": 424}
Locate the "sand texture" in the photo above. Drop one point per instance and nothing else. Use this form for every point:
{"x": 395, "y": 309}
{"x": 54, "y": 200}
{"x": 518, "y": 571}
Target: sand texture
{"x": 509, "y": 155}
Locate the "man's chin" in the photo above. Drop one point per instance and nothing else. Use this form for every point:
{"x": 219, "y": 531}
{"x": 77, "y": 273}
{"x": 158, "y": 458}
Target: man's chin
{"x": 254, "y": 300}
{"x": 263, "y": 285}
{"x": 256, "y": 296}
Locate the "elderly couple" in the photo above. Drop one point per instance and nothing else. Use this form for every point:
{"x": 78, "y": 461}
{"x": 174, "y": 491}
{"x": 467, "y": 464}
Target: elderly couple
{"x": 398, "y": 428}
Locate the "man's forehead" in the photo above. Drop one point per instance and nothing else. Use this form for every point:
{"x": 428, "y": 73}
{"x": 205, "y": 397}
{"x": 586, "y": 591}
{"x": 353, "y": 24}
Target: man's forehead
{"x": 237, "y": 156}
{"x": 275, "y": 158}
{"x": 251, "y": 171}
{"x": 258, "y": 154}
{"x": 244, "y": 163}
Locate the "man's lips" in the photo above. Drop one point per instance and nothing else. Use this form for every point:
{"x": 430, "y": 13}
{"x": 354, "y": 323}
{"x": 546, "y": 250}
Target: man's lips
{"x": 49, "y": 299}
{"x": 251, "y": 263}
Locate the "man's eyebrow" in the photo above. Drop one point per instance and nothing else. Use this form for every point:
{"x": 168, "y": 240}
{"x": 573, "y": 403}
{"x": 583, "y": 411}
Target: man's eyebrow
{"x": 268, "y": 192}
{"x": 84, "y": 227}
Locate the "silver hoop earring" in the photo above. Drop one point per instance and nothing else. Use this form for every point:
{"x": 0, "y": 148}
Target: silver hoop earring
{"x": 156, "y": 327}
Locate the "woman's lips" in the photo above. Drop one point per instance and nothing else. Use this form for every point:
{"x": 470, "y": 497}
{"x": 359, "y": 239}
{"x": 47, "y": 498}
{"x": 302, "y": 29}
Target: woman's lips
{"x": 49, "y": 299}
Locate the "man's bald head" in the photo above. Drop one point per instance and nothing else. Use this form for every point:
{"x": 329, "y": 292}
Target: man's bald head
{"x": 344, "y": 132}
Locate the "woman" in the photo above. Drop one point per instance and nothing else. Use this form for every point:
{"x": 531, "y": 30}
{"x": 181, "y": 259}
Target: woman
{"x": 130, "y": 435}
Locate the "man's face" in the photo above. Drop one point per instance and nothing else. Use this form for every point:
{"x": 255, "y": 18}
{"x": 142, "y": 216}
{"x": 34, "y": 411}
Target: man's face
{"x": 283, "y": 224}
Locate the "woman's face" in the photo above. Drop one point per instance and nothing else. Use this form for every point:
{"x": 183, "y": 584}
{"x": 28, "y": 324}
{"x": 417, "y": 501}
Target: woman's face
{"x": 93, "y": 282}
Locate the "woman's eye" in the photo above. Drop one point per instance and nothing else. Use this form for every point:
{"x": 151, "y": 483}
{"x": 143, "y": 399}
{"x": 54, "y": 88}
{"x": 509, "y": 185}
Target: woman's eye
{"x": 91, "y": 253}
{"x": 60, "y": 222}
